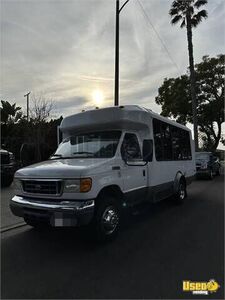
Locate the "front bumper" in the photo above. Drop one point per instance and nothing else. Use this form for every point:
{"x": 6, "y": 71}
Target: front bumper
{"x": 63, "y": 213}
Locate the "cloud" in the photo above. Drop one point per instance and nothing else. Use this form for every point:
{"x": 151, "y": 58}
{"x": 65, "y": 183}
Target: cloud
{"x": 65, "y": 49}
{"x": 70, "y": 103}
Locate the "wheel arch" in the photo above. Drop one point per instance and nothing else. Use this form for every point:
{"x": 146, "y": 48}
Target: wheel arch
{"x": 111, "y": 190}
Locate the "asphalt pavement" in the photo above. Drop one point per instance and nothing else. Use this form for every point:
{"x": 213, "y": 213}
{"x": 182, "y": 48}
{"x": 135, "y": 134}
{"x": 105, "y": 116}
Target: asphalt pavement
{"x": 159, "y": 246}
{"x": 7, "y": 218}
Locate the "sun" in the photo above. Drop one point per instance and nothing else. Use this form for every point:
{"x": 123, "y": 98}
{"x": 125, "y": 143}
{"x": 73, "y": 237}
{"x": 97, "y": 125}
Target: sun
{"x": 98, "y": 97}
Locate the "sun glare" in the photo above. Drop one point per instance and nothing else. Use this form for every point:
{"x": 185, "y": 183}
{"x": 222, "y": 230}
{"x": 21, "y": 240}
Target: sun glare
{"x": 98, "y": 97}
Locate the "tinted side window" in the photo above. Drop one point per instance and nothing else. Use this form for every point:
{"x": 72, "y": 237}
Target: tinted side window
{"x": 185, "y": 145}
{"x": 130, "y": 148}
{"x": 176, "y": 141}
{"x": 158, "y": 139}
{"x": 171, "y": 142}
{"x": 181, "y": 144}
{"x": 167, "y": 141}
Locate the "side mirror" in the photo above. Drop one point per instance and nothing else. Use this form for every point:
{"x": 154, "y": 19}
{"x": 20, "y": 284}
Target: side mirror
{"x": 147, "y": 150}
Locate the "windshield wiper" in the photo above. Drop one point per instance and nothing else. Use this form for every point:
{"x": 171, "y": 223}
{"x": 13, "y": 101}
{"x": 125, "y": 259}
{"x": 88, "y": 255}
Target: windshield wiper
{"x": 84, "y": 152}
{"x": 55, "y": 156}
{"x": 60, "y": 156}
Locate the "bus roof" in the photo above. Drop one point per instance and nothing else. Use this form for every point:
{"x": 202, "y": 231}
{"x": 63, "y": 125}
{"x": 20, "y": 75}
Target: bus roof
{"x": 127, "y": 117}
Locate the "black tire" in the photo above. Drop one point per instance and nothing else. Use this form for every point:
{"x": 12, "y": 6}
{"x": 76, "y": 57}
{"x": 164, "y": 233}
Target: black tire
{"x": 181, "y": 192}
{"x": 107, "y": 218}
{"x": 35, "y": 223}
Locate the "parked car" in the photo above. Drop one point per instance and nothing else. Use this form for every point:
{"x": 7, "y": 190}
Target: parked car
{"x": 8, "y": 167}
{"x": 109, "y": 159}
{"x": 207, "y": 165}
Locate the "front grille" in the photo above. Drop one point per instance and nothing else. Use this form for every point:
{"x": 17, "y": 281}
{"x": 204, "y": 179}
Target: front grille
{"x": 42, "y": 187}
{"x": 5, "y": 158}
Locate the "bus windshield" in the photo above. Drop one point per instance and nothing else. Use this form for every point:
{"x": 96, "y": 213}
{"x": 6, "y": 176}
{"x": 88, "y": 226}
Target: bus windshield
{"x": 89, "y": 145}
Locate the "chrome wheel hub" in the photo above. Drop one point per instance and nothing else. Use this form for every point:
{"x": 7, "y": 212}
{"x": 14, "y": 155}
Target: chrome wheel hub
{"x": 182, "y": 192}
{"x": 110, "y": 220}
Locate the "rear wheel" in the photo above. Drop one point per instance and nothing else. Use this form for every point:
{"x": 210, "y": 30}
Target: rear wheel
{"x": 107, "y": 218}
{"x": 181, "y": 193}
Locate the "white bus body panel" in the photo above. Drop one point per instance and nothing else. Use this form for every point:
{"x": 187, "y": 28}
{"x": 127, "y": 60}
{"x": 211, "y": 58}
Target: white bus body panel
{"x": 131, "y": 119}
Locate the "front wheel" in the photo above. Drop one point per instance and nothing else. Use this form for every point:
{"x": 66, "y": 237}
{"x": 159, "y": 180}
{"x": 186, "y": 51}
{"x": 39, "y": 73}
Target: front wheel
{"x": 181, "y": 193}
{"x": 107, "y": 218}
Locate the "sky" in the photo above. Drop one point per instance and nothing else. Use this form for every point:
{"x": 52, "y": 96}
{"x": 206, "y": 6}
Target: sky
{"x": 64, "y": 50}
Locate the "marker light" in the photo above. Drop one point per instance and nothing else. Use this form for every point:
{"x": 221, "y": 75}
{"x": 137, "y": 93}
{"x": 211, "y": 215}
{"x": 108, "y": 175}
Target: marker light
{"x": 85, "y": 185}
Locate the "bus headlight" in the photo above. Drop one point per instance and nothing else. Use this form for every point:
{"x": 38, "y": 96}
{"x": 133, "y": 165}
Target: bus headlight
{"x": 82, "y": 185}
{"x": 72, "y": 186}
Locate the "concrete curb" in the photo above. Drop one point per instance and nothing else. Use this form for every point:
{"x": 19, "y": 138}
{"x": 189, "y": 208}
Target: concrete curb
{"x": 11, "y": 227}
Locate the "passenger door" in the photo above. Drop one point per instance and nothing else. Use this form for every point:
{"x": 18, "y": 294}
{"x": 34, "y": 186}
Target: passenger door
{"x": 134, "y": 175}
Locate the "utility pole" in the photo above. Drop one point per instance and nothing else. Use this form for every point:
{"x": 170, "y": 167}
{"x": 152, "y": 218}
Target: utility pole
{"x": 27, "y": 95}
{"x": 118, "y": 10}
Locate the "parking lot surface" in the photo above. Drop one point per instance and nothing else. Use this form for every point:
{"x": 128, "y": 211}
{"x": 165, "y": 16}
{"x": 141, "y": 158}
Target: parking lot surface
{"x": 7, "y": 218}
{"x": 159, "y": 246}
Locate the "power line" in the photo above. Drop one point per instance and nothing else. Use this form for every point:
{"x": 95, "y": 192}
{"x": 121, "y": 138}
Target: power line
{"x": 157, "y": 34}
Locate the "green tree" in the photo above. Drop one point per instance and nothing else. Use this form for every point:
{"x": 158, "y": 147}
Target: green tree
{"x": 10, "y": 113}
{"x": 175, "y": 98}
{"x": 38, "y": 136}
{"x": 188, "y": 14}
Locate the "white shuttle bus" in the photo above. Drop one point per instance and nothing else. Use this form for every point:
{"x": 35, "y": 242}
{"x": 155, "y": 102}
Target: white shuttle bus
{"x": 108, "y": 159}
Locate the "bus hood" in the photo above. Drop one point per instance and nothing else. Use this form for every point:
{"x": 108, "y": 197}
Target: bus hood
{"x": 64, "y": 168}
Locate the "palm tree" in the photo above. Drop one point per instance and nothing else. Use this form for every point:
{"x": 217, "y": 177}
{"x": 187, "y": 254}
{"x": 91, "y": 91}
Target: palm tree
{"x": 10, "y": 112}
{"x": 188, "y": 14}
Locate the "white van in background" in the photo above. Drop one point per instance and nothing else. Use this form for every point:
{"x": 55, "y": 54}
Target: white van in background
{"x": 109, "y": 158}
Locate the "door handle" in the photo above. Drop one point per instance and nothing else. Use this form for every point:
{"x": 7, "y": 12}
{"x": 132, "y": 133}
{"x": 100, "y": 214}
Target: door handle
{"x": 143, "y": 172}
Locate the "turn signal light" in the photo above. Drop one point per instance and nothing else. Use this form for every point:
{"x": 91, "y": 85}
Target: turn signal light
{"x": 85, "y": 185}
